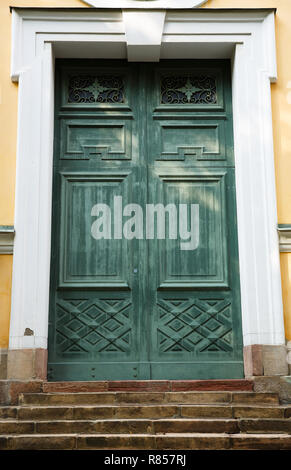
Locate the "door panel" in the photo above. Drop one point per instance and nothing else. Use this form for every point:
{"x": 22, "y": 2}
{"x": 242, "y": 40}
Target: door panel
{"x": 83, "y": 262}
{"x": 152, "y": 307}
{"x": 205, "y": 264}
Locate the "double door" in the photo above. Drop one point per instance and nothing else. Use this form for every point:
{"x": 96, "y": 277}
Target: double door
{"x": 144, "y": 267}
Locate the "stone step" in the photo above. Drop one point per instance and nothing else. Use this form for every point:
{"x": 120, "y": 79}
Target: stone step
{"x": 144, "y": 412}
{"x": 262, "y": 426}
{"x": 192, "y": 441}
{"x": 147, "y": 426}
{"x": 120, "y": 426}
{"x": 150, "y": 386}
{"x": 90, "y": 398}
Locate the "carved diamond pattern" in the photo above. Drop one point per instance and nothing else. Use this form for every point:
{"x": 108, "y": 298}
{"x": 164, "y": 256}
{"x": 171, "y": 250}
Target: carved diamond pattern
{"x": 92, "y": 338}
{"x": 99, "y": 325}
{"x": 176, "y": 325}
{"x": 195, "y": 325}
{"x": 111, "y": 325}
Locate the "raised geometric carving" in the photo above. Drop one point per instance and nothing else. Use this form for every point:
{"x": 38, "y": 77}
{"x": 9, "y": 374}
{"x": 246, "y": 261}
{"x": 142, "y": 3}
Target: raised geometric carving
{"x": 94, "y": 325}
{"x": 96, "y": 89}
{"x": 204, "y": 140}
{"x": 195, "y": 325}
{"x": 83, "y": 140}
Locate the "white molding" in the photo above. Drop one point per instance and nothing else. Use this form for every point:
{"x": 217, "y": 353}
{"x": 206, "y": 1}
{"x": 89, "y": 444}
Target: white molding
{"x": 6, "y": 239}
{"x": 246, "y": 36}
{"x": 284, "y": 232}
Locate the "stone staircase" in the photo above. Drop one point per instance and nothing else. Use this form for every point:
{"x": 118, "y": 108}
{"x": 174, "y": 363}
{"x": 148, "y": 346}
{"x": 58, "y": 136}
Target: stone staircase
{"x": 64, "y": 416}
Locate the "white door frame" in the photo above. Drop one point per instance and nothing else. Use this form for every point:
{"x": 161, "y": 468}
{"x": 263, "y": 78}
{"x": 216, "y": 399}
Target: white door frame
{"x": 38, "y": 35}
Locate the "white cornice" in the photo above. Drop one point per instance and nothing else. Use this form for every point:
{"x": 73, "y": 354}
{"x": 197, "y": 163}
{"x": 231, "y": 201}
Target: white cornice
{"x": 153, "y": 4}
{"x": 127, "y": 30}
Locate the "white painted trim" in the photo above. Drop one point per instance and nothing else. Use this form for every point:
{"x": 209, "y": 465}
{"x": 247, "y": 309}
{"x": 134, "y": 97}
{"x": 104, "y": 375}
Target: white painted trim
{"x": 250, "y": 37}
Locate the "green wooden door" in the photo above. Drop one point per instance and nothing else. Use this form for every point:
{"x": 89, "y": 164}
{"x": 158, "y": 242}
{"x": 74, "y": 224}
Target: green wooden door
{"x": 147, "y": 285}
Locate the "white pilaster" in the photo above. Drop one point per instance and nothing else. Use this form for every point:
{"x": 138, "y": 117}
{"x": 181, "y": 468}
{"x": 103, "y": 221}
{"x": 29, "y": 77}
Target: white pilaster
{"x": 31, "y": 262}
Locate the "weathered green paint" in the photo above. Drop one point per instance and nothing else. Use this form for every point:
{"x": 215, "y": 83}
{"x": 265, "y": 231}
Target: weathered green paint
{"x": 143, "y": 309}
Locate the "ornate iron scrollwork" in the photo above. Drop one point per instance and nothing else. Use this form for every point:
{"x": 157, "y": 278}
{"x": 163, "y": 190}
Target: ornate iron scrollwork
{"x": 188, "y": 90}
{"x": 93, "y": 89}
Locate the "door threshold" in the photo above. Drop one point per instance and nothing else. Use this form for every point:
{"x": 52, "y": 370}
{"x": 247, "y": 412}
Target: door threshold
{"x": 227, "y": 385}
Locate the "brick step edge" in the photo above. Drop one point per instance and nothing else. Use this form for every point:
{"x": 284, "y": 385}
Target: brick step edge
{"x": 146, "y": 442}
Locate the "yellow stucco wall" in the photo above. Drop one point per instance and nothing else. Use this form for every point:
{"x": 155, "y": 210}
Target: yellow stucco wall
{"x": 281, "y": 104}
{"x": 281, "y": 97}
{"x": 8, "y": 130}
